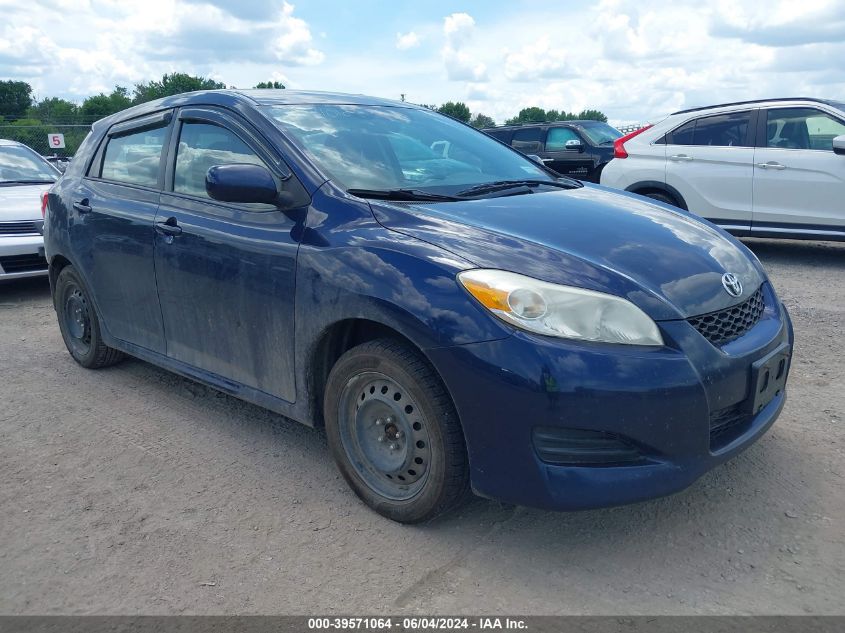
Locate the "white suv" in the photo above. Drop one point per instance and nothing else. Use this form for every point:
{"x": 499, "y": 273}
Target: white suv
{"x": 773, "y": 168}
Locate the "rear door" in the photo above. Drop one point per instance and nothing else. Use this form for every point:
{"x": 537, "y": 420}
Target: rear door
{"x": 226, "y": 280}
{"x": 799, "y": 183}
{"x": 709, "y": 161}
{"x": 111, "y": 228}
{"x": 572, "y": 161}
{"x": 528, "y": 140}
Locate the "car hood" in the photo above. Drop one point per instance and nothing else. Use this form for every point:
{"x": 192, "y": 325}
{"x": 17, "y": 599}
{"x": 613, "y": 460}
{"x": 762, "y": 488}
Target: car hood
{"x": 668, "y": 262}
{"x": 21, "y": 202}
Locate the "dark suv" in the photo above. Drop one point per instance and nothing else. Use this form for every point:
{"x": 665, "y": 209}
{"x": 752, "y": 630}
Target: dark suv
{"x": 579, "y": 149}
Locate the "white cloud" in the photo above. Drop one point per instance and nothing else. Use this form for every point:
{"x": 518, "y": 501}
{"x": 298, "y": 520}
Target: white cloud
{"x": 633, "y": 59}
{"x": 129, "y": 41}
{"x": 294, "y": 44}
{"x": 404, "y": 41}
{"x": 536, "y": 60}
{"x": 460, "y": 64}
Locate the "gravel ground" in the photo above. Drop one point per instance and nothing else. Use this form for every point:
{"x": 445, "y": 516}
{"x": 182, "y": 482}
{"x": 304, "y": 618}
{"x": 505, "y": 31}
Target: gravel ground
{"x": 130, "y": 490}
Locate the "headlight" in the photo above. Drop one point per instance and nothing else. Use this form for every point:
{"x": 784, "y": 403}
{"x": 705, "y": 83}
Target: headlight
{"x": 563, "y": 311}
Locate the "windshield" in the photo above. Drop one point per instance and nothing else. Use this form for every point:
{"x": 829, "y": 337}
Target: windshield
{"x": 601, "y": 133}
{"x": 384, "y": 147}
{"x": 21, "y": 164}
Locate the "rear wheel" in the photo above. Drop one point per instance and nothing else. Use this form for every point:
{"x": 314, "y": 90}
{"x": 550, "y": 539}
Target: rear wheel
{"x": 662, "y": 197}
{"x": 79, "y": 324}
{"x": 394, "y": 433}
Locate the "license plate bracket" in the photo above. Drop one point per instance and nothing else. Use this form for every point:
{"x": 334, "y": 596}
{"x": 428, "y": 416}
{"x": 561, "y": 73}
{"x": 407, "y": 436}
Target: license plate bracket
{"x": 768, "y": 377}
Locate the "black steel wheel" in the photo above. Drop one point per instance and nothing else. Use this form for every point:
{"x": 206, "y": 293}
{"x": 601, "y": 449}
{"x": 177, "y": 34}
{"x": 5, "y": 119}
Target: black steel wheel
{"x": 394, "y": 433}
{"x": 79, "y": 324}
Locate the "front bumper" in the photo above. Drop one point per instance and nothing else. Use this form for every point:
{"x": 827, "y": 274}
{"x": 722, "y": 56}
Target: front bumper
{"x": 665, "y": 402}
{"x": 22, "y": 256}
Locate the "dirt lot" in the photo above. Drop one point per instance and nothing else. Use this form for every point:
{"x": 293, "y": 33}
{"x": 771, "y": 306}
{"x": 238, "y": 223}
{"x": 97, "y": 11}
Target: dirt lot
{"x": 131, "y": 490}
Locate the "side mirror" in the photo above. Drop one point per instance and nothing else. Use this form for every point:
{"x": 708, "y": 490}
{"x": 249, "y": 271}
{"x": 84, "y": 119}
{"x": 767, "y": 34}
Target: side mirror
{"x": 839, "y": 145}
{"x": 535, "y": 158}
{"x": 573, "y": 145}
{"x": 241, "y": 183}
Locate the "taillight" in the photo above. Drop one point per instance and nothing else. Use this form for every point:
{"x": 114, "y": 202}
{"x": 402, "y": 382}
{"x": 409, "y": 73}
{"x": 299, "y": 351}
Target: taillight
{"x": 44, "y": 204}
{"x": 619, "y": 144}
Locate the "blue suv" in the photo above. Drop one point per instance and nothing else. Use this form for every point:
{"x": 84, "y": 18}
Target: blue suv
{"x": 457, "y": 316}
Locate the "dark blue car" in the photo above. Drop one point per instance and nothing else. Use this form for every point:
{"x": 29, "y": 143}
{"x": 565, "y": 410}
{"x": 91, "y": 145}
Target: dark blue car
{"x": 457, "y": 316}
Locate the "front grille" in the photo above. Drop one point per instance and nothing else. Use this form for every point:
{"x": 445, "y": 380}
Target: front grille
{"x": 726, "y": 325}
{"x": 29, "y": 227}
{"x": 23, "y": 263}
{"x": 727, "y": 424}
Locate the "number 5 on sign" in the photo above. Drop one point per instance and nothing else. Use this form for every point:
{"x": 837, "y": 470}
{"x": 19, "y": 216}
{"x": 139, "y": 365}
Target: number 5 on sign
{"x": 56, "y": 141}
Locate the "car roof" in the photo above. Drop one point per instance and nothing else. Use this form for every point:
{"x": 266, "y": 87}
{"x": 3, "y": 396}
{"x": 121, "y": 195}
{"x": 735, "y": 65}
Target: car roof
{"x": 234, "y": 98}
{"x": 757, "y": 101}
{"x": 517, "y": 126}
{"x": 7, "y": 142}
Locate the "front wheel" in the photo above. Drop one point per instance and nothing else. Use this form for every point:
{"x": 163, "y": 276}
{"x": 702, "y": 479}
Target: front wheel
{"x": 394, "y": 433}
{"x": 79, "y": 324}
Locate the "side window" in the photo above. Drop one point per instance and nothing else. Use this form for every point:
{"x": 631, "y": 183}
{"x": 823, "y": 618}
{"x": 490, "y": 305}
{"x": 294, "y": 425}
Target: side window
{"x": 527, "y": 140}
{"x": 502, "y": 135}
{"x": 134, "y": 158}
{"x": 683, "y": 135}
{"x": 722, "y": 130}
{"x": 557, "y": 137}
{"x": 201, "y": 146}
{"x": 801, "y": 128}
{"x": 719, "y": 130}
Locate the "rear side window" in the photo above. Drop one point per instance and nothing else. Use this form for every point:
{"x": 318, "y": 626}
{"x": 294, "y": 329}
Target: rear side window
{"x": 202, "y": 146}
{"x": 801, "y": 128}
{"x": 134, "y": 158}
{"x": 720, "y": 130}
{"x": 502, "y": 135}
{"x": 557, "y": 137}
{"x": 527, "y": 140}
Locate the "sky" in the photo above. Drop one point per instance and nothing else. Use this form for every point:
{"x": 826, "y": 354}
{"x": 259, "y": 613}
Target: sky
{"x": 634, "y": 60}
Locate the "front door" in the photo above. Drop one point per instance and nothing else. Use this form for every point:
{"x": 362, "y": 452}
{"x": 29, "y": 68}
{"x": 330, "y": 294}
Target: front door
{"x": 226, "y": 278}
{"x": 575, "y": 161}
{"x": 798, "y": 180}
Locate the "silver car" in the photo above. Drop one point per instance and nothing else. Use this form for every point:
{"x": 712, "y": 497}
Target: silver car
{"x": 24, "y": 177}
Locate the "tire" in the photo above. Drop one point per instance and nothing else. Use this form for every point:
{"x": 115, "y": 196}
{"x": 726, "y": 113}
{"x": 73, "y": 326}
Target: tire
{"x": 79, "y": 324}
{"x": 419, "y": 468}
{"x": 662, "y": 197}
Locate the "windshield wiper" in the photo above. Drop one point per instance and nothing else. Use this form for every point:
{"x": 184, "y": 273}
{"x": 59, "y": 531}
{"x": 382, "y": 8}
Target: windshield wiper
{"x": 42, "y": 181}
{"x": 503, "y": 185}
{"x": 402, "y": 194}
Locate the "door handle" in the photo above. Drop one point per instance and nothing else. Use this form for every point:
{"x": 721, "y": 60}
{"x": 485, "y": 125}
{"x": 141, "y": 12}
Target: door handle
{"x": 771, "y": 165}
{"x": 83, "y": 206}
{"x": 169, "y": 227}
{"x": 683, "y": 157}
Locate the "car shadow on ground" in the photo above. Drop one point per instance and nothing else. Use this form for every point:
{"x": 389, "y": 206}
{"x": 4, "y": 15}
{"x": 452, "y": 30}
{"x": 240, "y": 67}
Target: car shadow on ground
{"x": 16, "y": 291}
{"x": 827, "y": 254}
{"x": 725, "y": 492}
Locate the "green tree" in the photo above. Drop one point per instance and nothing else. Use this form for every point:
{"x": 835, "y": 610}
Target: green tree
{"x": 481, "y": 121}
{"x": 173, "y": 84}
{"x": 456, "y": 110}
{"x": 15, "y": 98}
{"x": 271, "y": 85}
{"x": 98, "y": 106}
{"x": 55, "y": 110}
{"x": 527, "y": 115}
{"x": 592, "y": 115}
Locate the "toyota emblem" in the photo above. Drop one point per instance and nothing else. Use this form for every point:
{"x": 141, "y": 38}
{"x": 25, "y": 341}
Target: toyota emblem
{"x": 732, "y": 285}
